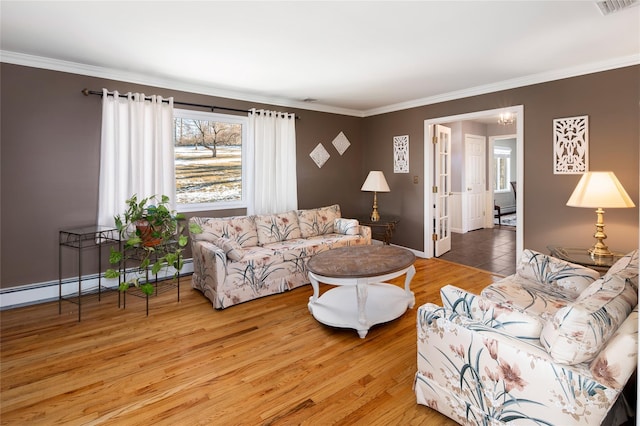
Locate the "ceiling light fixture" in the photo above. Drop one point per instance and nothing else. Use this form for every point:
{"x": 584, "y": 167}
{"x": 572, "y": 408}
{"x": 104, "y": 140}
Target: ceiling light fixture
{"x": 507, "y": 118}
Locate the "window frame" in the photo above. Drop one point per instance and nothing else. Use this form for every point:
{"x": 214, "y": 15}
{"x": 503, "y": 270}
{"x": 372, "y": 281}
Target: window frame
{"x": 501, "y": 154}
{"x": 246, "y": 159}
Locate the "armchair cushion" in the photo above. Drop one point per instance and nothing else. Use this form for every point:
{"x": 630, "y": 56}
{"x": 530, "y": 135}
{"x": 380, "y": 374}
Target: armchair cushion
{"x": 500, "y": 316}
{"x": 346, "y": 226}
{"x": 569, "y": 278}
{"x": 626, "y": 265}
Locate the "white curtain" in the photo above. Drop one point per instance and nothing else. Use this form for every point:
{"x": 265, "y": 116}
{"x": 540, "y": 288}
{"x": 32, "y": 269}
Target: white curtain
{"x": 275, "y": 180}
{"x": 136, "y": 152}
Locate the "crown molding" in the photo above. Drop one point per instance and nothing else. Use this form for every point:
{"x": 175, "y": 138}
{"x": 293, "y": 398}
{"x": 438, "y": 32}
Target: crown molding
{"x": 119, "y": 75}
{"x": 16, "y": 58}
{"x": 510, "y": 84}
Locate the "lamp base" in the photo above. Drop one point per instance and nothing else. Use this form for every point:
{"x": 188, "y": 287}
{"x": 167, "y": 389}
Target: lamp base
{"x": 374, "y": 214}
{"x": 600, "y": 249}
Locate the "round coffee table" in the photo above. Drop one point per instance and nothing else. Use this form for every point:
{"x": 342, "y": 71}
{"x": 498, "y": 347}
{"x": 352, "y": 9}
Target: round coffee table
{"x": 361, "y": 298}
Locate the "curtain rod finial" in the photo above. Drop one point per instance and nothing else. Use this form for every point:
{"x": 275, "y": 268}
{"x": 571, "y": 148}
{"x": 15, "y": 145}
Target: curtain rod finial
{"x": 85, "y": 91}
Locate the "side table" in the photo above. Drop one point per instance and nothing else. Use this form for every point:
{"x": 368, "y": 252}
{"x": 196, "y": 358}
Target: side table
{"x": 382, "y": 228}
{"x": 581, "y": 256}
{"x": 80, "y": 239}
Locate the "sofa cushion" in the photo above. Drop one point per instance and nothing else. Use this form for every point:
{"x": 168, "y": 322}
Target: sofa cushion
{"x": 577, "y": 332}
{"x": 231, "y": 248}
{"x": 571, "y": 279}
{"x": 272, "y": 228}
{"x": 318, "y": 221}
{"x": 239, "y": 228}
{"x": 346, "y": 226}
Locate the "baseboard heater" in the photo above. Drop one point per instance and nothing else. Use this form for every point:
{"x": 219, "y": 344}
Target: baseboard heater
{"x": 31, "y": 294}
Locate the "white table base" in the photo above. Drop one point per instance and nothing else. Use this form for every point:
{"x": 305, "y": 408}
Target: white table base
{"x": 360, "y": 303}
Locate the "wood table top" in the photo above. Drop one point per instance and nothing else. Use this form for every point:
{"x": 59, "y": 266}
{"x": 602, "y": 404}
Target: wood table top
{"x": 360, "y": 261}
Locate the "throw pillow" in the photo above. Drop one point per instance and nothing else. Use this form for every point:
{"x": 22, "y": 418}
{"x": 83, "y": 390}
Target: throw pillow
{"x": 577, "y": 332}
{"x": 346, "y": 226}
{"x": 231, "y": 248}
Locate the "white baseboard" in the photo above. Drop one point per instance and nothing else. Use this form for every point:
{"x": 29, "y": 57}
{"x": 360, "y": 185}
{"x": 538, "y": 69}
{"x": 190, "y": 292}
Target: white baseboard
{"x": 30, "y": 294}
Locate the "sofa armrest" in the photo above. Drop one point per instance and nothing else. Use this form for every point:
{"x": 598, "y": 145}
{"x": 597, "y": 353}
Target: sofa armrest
{"x": 501, "y": 316}
{"x": 365, "y": 232}
{"x": 473, "y": 373}
{"x": 209, "y": 266}
{"x": 617, "y": 361}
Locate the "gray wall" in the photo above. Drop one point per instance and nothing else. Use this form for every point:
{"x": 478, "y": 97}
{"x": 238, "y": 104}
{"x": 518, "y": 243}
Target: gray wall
{"x": 50, "y": 136}
{"x": 610, "y": 99}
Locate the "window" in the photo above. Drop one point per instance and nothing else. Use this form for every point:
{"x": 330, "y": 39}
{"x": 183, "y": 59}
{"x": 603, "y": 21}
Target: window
{"x": 502, "y": 171}
{"x": 211, "y": 160}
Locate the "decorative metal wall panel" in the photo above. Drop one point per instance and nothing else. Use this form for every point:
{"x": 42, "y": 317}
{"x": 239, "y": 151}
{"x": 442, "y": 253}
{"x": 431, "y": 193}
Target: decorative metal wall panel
{"x": 571, "y": 145}
{"x": 401, "y": 154}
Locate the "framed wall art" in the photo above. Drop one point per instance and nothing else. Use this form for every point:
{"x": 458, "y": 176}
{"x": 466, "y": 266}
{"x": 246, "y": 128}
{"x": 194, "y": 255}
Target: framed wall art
{"x": 571, "y": 145}
{"x": 401, "y": 154}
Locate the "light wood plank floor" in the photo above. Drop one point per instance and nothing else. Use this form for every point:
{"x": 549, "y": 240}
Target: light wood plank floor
{"x": 265, "y": 362}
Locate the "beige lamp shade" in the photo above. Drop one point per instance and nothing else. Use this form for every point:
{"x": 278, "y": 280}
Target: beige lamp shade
{"x": 375, "y": 182}
{"x": 600, "y": 189}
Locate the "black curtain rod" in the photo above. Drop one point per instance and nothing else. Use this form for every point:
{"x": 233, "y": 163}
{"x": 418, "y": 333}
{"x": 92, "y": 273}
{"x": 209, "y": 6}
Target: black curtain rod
{"x": 88, "y": 92}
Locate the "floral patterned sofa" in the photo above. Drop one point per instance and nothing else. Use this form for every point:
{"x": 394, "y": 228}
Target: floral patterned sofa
{"x": 553, "y": 344}
{"x": 240, "y": 258}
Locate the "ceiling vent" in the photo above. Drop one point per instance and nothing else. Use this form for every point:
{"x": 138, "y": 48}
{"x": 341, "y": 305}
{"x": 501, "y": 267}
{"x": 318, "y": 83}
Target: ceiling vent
{"x": 608, "y": 7}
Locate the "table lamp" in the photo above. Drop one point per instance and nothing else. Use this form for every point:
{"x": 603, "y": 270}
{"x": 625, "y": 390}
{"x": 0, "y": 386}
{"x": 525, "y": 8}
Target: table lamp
{"x": 598, "y": 190}
{"x": 377, "y": 183}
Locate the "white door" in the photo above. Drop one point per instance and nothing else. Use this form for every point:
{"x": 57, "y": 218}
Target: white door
{"x": 441, "y": 190}
{"x": 474, "y": 166}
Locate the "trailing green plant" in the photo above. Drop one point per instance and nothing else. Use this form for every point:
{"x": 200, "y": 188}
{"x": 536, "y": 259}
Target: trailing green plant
{"x": 151, "y": 230}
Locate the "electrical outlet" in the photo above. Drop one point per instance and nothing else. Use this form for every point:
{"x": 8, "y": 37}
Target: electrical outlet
{"x": 415, "y": 179}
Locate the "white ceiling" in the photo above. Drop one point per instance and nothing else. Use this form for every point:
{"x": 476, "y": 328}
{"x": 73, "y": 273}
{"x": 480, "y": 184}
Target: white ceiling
{"x": 354, "y": 57}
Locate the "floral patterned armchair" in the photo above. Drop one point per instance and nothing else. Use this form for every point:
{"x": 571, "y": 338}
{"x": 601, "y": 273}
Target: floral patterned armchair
{"x": 553, "y": 344}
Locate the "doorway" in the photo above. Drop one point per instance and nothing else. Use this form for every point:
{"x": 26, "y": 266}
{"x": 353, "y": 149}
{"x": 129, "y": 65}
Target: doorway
{"x": 432, "y": 199}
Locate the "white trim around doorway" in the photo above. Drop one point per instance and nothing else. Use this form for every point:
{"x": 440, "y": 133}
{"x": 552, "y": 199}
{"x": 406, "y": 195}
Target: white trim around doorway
{"x": 518, "y": 111}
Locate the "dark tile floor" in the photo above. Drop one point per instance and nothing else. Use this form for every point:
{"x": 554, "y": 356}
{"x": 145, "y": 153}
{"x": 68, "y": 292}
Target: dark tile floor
{"x": 490, "y": 249}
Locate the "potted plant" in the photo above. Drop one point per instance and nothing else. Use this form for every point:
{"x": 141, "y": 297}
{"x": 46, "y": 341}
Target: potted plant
{"x": 150, "y": 232}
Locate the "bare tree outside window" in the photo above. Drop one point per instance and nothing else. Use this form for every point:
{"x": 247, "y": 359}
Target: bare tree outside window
{"x": 208, "y": 158}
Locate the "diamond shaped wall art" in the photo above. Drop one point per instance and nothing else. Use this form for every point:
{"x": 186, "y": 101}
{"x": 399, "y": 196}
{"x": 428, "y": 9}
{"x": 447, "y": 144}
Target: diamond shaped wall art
{"x": 319, "y": 155}
{"x": 341, "y": 143}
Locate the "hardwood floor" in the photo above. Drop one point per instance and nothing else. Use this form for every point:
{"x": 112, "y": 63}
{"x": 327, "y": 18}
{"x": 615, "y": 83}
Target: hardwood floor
{"x": 264, "y": 362}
